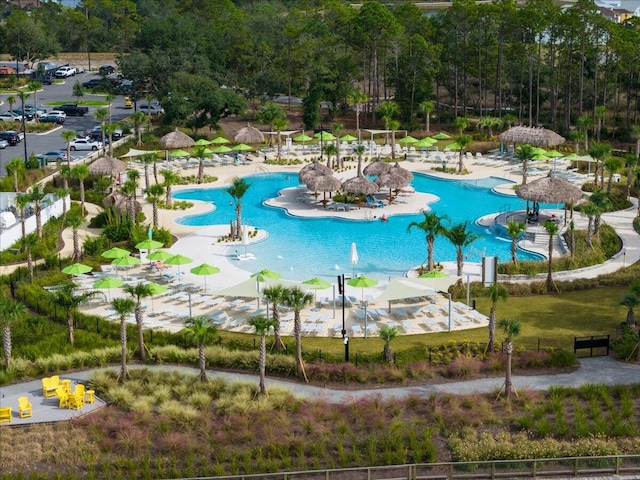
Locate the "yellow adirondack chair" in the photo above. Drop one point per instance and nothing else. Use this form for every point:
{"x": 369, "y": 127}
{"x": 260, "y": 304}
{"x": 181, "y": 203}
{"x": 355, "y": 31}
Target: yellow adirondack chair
{"x": 25, "y": 409}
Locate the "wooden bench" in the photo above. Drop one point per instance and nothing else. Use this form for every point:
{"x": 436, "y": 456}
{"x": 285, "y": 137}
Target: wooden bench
{"x": 5, "y": 414}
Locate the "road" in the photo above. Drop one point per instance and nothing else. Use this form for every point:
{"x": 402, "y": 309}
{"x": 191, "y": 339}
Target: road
{"x": 40, "y": 143}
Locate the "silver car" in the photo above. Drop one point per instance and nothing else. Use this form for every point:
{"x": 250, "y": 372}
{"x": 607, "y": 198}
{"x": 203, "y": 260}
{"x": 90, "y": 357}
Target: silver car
{"x": 84, "y": 144}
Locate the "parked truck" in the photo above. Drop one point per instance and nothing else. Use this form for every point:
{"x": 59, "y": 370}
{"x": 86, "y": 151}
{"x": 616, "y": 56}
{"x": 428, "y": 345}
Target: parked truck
{"x": 73, "y": 109}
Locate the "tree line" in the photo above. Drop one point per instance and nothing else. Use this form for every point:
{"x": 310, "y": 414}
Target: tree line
{"x": 538, "y": 63}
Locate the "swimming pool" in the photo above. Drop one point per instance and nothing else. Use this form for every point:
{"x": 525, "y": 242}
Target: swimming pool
{"x": 301, "y": 248}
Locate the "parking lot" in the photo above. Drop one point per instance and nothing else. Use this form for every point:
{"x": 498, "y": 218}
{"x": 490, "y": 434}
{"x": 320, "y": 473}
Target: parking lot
{"x": 52, "y": 140}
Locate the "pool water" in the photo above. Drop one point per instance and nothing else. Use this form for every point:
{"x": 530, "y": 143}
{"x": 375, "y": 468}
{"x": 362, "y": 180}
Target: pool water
{"x": 301, "y": 248}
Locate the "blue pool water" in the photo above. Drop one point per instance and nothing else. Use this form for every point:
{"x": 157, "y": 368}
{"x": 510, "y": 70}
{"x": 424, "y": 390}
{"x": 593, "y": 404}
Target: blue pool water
{"x": 301, "y": 248}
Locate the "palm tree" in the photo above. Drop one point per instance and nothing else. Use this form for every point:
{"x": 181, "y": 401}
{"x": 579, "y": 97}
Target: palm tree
{"x": 74, "y": 222}
{"x": 28, "y": 243}
{"x": 590, "y": 210}
{"x": 387, "y": 111}
{"x": 461, "y": 238}
{"x": 296, "y": 299}
{"x": 600, "y": 111}
{"x": 109, "y": 98}
{"x": 612, "y": 164}
{"x": 14, "y": 167}
{"x": 496, "y": 293}
{"x": 552, "y": 230}
{"x": 585, "y": 122}
{"x": 276, "y": 294}
{"x": 515, "y": 230}
{"x": 631, "y": 301}
{"x": 80, "y": 172}
{"x": 331, "y": 150}
{"x": 138, "y": 119}
{"x": 357, "y": 99}
{"x": 262, "y": 326}
{"x": 280, "y": 124}
{"x": 138, "y": 292}
{"x": 268, "y": 114}
{"x": 463, "y": 141}
{"x": 238, "y": 188}
{"x": 425, "y": 108}
{"x": 387, "y": 334}
{"x": 11, "y": 100}
{"x": 525, "y": 153}
{"x": 123, "y": 307}
{"x": 511, "y": 329}
{"x": 201, "y": 154}
{"x": 632, "y": 162}
{"x": 461, "y": 124}
{"x": 489, "y": 123}
{"x": 599, "y": 151}
{"x": 154, "y": 193}
{"x": 202, "y": 331}
{"x": 432, "y": 226}
{"x": 35, "y": 86}
{"x": 36, "y": 197}
{"x": 577, "y": 136}
{"x": 109, "y": 129}
{"x": 10, "y": 312}
{"x": 336, "y": 130}
{"x": 22, "y": 202}
{"x": 393, "y": 126}
{"x": 62, "y": 194}
{"x": 128, "y": 190}
{"x": 133, "y": 177}
{"x": 101, "y": 114}
{"x": 170, "y": 178}
{"x": 602, "y": 204}
{"x": 69, "y": 299}
{"x": 148, "y": 159}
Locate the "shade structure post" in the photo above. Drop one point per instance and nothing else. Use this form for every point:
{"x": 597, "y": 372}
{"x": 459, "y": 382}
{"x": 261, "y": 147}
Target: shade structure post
{"x": 449, "y": 311}
{"x": 365, "y": 319}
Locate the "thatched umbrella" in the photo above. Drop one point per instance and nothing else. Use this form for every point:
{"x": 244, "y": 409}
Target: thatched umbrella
{"x": 107, "y": 166}
{"x": 122, "y": 204}
{"x": 376, "y": 168}
{"x": 312, "y": 170}
{"x": 392, "y": 181}
{"x": 540, "y": 137}
{"x": 177, "y": 139}
{"x": 401, "y": 172}
{"x": 360, "y": 184}
{"x": 551, "y": 189}
{"x": 248, "y": 134}
{"x": 324, "y": 182}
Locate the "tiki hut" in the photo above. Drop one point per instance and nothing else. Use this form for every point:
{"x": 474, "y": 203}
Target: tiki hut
{"x": 122, "y": 204}
{"x": 324, "y": 182}
{"x": 312, "y": 170}
{"x": 376, "y": 168}
{"x": 539, "y": 137}
{"x": 107, "y": 166}
{"x": 392, "y": 181}
{"x": 249, "y": 135}
{"x": 401, "y": 172}
{"x": 360, "y": 184}
{"x": 551, "y": 189}
{"x": 177, "y": 139}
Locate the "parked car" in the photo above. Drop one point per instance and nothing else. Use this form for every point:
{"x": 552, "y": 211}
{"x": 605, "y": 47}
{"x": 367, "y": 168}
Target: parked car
{"x": 153, "y": 109}
{"x": 97, "y": 132}
{"x": 27, "y": 114}
{"x": 10, "y": 117}
{"x": 106, "y": 70}
{"x": 93, "y": 83}
{"x": 73, "y": 109}
{"x": 53, "y": 156}
{"x": 58, "y": 113}
{"x": 44, "y": 79}
{"x": 3, "y": 144}
{"x": 84, "y": 144}
{"x": 79, "y": 69}
{"x": 64, "y": 72}
{"x": 10, "y": 136}
{"x": 48, "y": 118}
{"x": 128, "y": 103}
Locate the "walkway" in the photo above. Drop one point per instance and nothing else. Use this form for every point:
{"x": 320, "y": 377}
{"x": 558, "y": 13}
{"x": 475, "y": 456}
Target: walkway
{"x": 601, "y": 370}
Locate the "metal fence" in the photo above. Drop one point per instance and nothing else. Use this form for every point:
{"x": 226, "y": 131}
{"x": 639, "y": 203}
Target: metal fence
{"x": 511, "y": 469}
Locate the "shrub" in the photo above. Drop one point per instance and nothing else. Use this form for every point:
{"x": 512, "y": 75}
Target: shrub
{"x": 626, "y": 346}
{"x": 463, "y": 367}
{"x": 562, "y": 358}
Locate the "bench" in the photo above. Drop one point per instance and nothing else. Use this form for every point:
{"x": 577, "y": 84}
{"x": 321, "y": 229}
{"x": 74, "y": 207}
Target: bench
{"x": 5, "y": 414}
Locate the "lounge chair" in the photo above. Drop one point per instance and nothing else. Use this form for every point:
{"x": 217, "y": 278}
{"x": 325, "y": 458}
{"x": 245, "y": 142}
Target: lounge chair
{"x": 374, "y": 203}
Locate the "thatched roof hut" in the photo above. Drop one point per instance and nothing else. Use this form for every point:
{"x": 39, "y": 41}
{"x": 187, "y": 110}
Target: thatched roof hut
{"x": 550, "y": 189}
{"x": 121, "y": 203}
{"x": 539, "y": 137}
{"x": 376, "y": 168}
{"x": 248, "y": 134}
{"x": 107, "y": 166}
{"x": 177, "y": 139}
{"x": 360, "y": 184}
{"x": 324, "y": 182}
{"x": 312, "y": 170}
{"x": 401, "y": 172}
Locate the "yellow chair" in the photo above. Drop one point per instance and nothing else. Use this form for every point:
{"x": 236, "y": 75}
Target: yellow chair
{"x": 24, "y": 407}
{"x": 54, "y": 381}
{"x": 47, "y": 389}
{"x": 63, "y": 397}
{"x": 76, "y": 399}
{"x": 90, "y": 396}
{"x": 5, "y": 414}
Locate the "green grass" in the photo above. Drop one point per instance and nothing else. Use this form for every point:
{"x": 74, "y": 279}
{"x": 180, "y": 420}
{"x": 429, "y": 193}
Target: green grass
{"x": 81, "y": 103}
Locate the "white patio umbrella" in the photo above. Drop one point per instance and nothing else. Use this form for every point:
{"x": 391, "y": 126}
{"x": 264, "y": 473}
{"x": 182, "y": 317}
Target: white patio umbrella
{"x": 354, "y": 257}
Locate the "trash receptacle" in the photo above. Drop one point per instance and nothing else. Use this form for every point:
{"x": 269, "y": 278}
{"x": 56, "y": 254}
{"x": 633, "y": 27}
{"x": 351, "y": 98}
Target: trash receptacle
{"x": 473, "y": 303}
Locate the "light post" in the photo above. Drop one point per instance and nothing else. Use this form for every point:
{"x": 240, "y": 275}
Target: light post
{"x": 341, "y": 291}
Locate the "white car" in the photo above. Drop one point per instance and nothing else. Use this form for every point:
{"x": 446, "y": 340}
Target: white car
{"x": 153, "y": 109}
{"x": 10, "y": 117}
{"x": 84, "y": 144}
{"x": 79, "y": 69}
{"x": 57, "y": 113}
{"x": 64, "y": 72}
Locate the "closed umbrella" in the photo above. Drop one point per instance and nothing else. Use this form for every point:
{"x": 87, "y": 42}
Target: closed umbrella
{"x": 362, "y": 282}
{"x": 354, "y": 257}
{"x": 116, "y": 252}
{"x": 205, "y": 269}
{"x": 77, "y": 269}
{"x": 108, "y": 283}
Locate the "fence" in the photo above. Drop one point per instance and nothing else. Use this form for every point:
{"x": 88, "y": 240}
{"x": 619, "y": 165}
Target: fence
{"x": 511, "y": 469}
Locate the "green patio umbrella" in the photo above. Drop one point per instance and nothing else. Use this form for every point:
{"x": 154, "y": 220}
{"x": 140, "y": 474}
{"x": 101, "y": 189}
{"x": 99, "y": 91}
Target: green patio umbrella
{"x": 242, "y": 147}
{"x": 408, "y": 139}
{"x": 149, "y": 244}
{"x": 538, "y": 151}
{"x": 316, "y": 284}
{"x": 179, "y": 154}
{"x": 221, "y": 149}
{"x": 425, "y": 142}
{"x": 362, "y": 282}
{"x": 206, "y": 270}
{"x": 540, "y": 156}
{"x": 453, "y": 146}
{"x": 441, "y": 136}
{"x": 434, "y": 274}
{"x": 262, "y": 276}
{"x": 156, "y": 289}
{"x": 160, "y": 255}
{"x": 127, "y": 261}
{"x": 302, "y": 138}
{"x": 572, "y": 156}
{"x": 116, "y": 252}
{"x": 554, "y": 154}
{"x": 219, "y": 140}
{"x": 324, "y": 136}
{"x": 77, "y": 269}
{"x": 108, "y": 283}
{"x": 202, "y": 142}
{"x": 178, "y": 260}
{"x": 348, "y": 138}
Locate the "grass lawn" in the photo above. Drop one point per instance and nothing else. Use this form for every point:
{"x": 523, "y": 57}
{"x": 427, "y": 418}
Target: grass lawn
{"x": 81, "y": 103}
{"x": 554, "y": 319}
